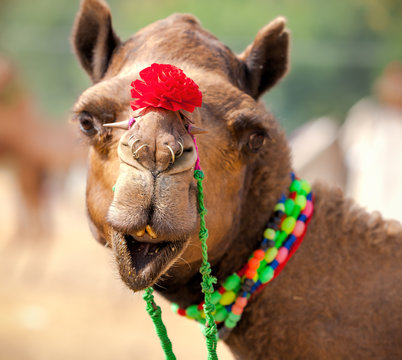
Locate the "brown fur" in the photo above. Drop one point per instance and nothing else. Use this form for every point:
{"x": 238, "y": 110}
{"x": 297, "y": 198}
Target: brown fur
{"x": 338, "y": 298}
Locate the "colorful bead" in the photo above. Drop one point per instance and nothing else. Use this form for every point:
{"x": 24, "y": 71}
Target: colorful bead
{"x": 289, "y": 203}
{"x": 295, "y": 186}
{"x": 305, "y": 187}
{"x": 299, "y": 228}
{"x": 253, "y": 264}
{"x": 279, "y": 207}
{"x": 227, "y": 298}
{"x": 270, "y": 254}
{"x": 259, "y": 254}
{"x": 215, "y": 297}
{"x": 288, "y": 225}
{"x": 280, "y": 239}
{"x": 269, "y": 234}
{"x": 192, "y": 311}
{"x": 181, "y": 312}
{"x": 301, "y": 201}
{"x": 250, "y": 273}
{"x": 236, "y": 309}
{"x": 234, "y": 317}
{"x": 174, "y": 307}
{"x": 267, "y": 274}
{"x": 221, "y": 314}
{"x": 241, "y": 301}
{"x": 308, "y": 210}
{"x": 232, "y": 282}
{"x": 230, "y": 324}
{"x": 282, "y": 255}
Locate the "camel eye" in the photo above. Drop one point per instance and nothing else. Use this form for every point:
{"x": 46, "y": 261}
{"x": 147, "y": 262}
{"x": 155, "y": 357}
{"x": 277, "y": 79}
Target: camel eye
{"x": 87, "y": 124}
{"x": 256, "y": 141}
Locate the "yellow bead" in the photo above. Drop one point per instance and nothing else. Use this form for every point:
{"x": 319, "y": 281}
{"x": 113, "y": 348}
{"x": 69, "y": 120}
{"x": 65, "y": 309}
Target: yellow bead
{"x": 227, "y": 298}
{"x": 270, "y": 254}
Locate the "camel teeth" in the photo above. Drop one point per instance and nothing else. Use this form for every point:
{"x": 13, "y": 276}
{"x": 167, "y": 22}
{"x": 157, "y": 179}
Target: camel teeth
{"x": 140, "y": 233}
{"x": 150, "y": 232}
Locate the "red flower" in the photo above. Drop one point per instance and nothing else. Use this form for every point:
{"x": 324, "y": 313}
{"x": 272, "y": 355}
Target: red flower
{"x": 165, "y": 86}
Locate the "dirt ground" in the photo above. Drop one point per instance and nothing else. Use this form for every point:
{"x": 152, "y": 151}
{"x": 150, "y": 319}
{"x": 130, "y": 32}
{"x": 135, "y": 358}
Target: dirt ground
{"x": 63, "y": 299}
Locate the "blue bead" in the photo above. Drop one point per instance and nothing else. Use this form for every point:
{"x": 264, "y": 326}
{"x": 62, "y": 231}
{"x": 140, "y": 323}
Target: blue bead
{"x": 228, "y": 308}
{"x": 309, "y": 196}
{"x": 244, "y": 294}
{"x": 292, "y": 175}
{"x": 264, "y": 241}
{"x": 274, "y": 264}
{"x": 254, "y": 288}
{"x": 302, "y": 217}
{"x": 282, "y": 199}
{"x": 258, "y": 283}
{"x": 289, "y": 242}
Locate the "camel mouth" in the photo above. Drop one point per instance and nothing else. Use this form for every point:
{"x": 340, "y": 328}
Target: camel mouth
{"x": 141, "y": 263}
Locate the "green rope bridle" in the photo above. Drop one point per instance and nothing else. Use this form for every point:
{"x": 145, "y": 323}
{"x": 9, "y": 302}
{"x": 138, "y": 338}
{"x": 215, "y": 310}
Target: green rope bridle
{"x": 210, "y": 329}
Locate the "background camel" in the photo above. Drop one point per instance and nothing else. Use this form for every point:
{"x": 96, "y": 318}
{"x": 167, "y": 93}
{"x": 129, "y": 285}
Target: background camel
{"x": 348, "y": 264}
{"x": 40, "y": 153}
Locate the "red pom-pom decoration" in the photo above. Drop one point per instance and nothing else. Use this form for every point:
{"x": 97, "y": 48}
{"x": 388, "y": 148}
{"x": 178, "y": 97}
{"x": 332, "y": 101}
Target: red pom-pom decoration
{"x": 165, "y": 86}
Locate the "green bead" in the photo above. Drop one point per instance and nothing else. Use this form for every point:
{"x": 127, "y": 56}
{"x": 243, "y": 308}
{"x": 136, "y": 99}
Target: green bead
{"x": 174, "y": 307}
{"x": 215, "y": 297}
{"x": 192, "y": 311}
{"x": 227, "y": 298}
{"x": 266, "y": 275}
{"x": 234, "y": 317}
{"x": 295, "y": 186}
{"x": 270, "y": 254}
{"x": 301, "y": 201}
{"x": 288, "y": 225}
{"x": 263, "y": 263}
{"x": 306, "y": 188}
{"x": 114, "y": 188}
{"x": 280, "y": 239}
{"x": 296, "y": 211}
{"x": 231, "y": 282}
{"x": 230, "y": 324}
{"x": 221, "y": 313}
{"x": 279, "y": 207}
{"x": 269, "y": 234}
{"x": 289, "y": 204}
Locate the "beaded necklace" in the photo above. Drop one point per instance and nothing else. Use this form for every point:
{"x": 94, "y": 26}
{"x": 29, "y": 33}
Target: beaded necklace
{"x": 283, "y": 235}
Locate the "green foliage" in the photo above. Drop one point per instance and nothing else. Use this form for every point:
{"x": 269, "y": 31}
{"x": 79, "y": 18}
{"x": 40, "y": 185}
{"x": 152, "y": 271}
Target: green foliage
{"x": 338, "y": 48}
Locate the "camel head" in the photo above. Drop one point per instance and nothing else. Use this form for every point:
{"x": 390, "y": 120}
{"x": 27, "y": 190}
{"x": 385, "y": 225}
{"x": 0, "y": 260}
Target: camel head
{"x": 150, "y": 220}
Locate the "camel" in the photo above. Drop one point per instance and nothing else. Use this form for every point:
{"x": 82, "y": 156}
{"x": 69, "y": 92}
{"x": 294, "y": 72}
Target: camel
{"x": 34, "y": 150}
{"x": 339, "y": 297}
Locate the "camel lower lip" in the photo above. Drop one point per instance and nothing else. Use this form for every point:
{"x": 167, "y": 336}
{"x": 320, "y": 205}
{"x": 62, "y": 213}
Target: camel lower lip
{"x": 142, "y": 263}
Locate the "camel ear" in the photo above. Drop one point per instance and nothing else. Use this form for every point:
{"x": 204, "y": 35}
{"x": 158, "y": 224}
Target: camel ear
{"x": 266, "y": 59}
{"x": 93, "y": 38}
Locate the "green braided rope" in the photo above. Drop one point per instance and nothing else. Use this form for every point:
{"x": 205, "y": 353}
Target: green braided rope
{"x": 210, "y": 330}
{"x": 155, "y": 313}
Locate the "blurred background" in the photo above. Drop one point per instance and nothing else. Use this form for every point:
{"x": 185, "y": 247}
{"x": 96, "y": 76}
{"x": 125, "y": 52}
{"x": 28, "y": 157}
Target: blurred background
{"x": 60, "y": 295}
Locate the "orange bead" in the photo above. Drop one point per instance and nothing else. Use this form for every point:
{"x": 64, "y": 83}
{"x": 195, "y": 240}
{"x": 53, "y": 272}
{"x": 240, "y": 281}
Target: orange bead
{"x": 259, "y": 254}
{"x": 253, "y": 263}
{"x": 241, "y": 301}
{"x": 250, "y": 273}
{"x": 237, "y": 310}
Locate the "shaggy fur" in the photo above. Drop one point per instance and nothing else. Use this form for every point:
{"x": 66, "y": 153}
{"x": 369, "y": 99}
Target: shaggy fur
{"x": 340, "y": 295}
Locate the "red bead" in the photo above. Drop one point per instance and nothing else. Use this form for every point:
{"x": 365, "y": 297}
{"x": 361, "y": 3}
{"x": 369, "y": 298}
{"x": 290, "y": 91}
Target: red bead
{"x": 259, "y": 254}
{"x": 181, "y": 312}
{"x": 253, "y": 263}
{"x": 250, "y": 273}
{"x": 221, "y": 290}
{"x": 292, "y": 195}
{"x": 308, "y": 210}
{"x": 201, "y": 306}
